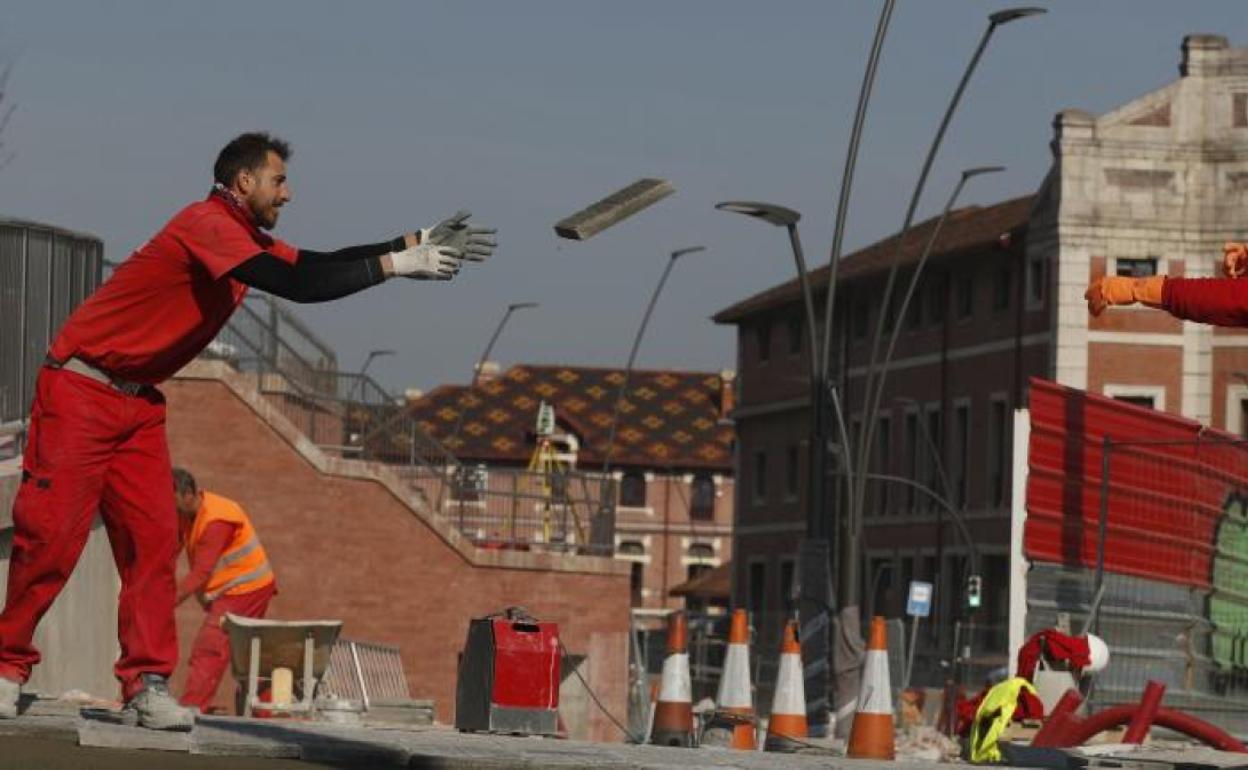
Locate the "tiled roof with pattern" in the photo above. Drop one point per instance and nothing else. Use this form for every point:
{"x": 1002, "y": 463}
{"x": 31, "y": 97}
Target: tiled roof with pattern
{"x": 967, "y": 229}
{"x": 668, "y": 419}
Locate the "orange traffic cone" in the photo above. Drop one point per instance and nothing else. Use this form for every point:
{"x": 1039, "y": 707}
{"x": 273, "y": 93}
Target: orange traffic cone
{"x": 786, "y": 730}
{"x": 872, "y": 733}
{"x": 673, "y": 713}
{"x": 734, "y": 697}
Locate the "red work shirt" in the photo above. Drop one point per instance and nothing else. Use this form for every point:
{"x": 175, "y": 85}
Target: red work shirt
{"x": 165, "y": 303}
{"x": 1217, "y": 301}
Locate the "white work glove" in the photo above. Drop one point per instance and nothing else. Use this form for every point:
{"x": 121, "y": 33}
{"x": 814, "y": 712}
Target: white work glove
{"x": 426, "y": 262}
{"x": 475, "y": 244}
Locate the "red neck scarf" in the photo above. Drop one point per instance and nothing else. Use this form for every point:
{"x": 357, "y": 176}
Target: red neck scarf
{"x": 230, "y": 202}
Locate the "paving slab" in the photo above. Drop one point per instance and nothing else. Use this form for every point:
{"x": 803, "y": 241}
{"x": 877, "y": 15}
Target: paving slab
{"x": 118, "y": 736}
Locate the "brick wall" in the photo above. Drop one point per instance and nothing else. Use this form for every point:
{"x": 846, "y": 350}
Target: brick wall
{"x": 349, "y": 548}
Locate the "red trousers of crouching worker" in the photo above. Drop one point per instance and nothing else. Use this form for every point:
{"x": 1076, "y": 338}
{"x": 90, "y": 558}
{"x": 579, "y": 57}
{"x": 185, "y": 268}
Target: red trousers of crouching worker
{"x": 210, "y": 654}
{"x": 92, "y": 448}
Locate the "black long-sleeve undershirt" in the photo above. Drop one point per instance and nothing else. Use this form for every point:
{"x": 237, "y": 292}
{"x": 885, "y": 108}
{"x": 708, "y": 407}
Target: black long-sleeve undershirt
{"x": 320, "y": 278}
{"x": 353, "y": 253}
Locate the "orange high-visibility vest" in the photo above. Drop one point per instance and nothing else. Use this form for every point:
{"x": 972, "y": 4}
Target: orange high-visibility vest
{"x": 243, "y": 566}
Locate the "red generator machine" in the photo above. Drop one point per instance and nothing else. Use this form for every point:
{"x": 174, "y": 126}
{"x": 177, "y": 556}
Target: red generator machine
{"x": 509, "y": 676}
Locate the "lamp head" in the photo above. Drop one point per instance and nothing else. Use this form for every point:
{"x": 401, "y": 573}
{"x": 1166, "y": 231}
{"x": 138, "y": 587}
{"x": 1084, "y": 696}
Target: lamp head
{"x": 767, "y": 212}
{"x": 678, "y": 253}
{"x": 1010, "y": 14}
{"x": 979, "y": 170}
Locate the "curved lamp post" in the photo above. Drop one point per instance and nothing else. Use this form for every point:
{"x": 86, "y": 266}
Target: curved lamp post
{"x": 632, "y": 357}
{"x": 848, "y": 583}
{"x": 476, "y": 375}
{"x": 485, "y": 356}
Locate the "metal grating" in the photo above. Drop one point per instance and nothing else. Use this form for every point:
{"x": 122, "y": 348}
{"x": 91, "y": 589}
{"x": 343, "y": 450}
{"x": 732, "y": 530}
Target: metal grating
{"x": 365, "y": 672}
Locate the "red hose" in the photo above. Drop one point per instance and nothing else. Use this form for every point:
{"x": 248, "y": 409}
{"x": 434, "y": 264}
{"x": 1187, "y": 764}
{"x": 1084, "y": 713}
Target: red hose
{"x": 1083, "y": 730}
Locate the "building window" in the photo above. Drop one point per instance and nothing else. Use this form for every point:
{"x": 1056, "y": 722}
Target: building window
{"x": 633, "y": 489}
{"x": 636, "y": 578}
{"x": 756, "y": 591}
{"x": 762, "y": 334}
{"x": 701, "y": 559}
{"x": 882, "y": 463}
{"x": 965, "y": 298}
{"x": 1136, "y": 268}
{"x": 760, "y": 476}
{"x": 998, "y": 434}
{"x": 791, "y": 471}
{"x": 1147, "y": 396}
{"x": 914, "y": 313}
{"x": 702, "y": 502}
{"x": 1001, "y": 284}
{"x": 933, "y": 474}
{"x": 911, "y": 458}
{"x": 635, "y": 552}
{"x": 788, "y": 575}
{"x": 795, "y": 335}
{"x": 938, "y": 287}
{"x": 1035, "y": 282}
{"x": 862, "y": 318}
{"x": 961, "y": 455}
{"x": 470, "y": 483}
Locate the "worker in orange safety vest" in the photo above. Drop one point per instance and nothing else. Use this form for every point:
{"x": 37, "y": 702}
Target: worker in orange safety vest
{"x": 230, "y": 572}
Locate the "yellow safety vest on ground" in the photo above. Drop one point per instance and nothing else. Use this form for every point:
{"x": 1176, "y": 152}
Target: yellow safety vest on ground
{"x": 993, "y": 716}
{"x": 243, "y": 566}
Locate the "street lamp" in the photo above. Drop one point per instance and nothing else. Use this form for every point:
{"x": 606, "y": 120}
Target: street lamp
{"x": 476, "y": 371}
{"x": 779, "y": 216}
{"x": 476, "y": 375}
{"x": 632, "y": 357}
{"x": 849, "y": 551}
{"x": 359, "y": 380}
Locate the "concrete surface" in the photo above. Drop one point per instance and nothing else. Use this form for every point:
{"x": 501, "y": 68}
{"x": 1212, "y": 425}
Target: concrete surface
{"x": 59, "y": 737}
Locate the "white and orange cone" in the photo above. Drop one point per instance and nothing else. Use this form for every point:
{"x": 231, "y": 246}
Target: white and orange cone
{"x": 735, "y": 697}
{"x": 872, "y": 733}
{"x": 786, "y": 730}
{"x": 673, "y": 713}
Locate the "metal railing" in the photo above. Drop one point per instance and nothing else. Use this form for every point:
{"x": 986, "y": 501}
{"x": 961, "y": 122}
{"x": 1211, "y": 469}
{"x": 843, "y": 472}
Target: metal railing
{"x": 520, "y": 509}
{"x": 45, "y": 272}
{"x": 350, "y": 415}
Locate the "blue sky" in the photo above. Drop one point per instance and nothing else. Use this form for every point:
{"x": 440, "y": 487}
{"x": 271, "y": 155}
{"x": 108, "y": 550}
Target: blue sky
{"x": 523, "y": 112}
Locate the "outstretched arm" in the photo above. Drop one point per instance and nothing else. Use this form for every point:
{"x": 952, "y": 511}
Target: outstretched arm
{"x": 1217, "y": 301}
{"x": 309, "y": 281}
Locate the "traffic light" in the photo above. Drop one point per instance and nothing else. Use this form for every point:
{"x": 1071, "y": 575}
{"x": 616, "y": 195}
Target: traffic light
{"x": 974, "y": 591}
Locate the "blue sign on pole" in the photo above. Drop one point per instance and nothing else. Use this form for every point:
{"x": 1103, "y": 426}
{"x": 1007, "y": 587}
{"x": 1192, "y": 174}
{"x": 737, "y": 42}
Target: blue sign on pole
{"x": 919, "y": 604}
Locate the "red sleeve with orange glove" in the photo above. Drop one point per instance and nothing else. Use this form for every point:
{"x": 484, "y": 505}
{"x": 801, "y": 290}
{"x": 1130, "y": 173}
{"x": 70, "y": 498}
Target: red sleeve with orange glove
{"x": 1217, "y": 301}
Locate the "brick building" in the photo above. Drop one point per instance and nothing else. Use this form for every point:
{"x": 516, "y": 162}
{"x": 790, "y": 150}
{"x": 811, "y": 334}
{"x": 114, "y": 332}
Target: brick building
{"x": 1154, "y": 186}
{"x": 672, "y": 461}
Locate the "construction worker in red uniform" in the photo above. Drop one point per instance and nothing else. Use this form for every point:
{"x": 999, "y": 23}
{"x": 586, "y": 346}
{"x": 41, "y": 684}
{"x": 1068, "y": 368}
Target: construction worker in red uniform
{"x": 96, "y": 438}
{"x": 230, "y": 572}
{"x": 1217, "y": 301}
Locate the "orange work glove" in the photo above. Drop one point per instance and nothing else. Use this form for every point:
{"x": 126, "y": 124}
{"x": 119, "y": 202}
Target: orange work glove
{"x": 1234, "y": 259}
{"x": 1121, "y": 290}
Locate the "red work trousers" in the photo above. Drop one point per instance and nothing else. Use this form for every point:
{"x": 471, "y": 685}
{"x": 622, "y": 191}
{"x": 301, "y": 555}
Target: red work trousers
{"x": 211, "y": 652}
{"x": 92, "y": 448}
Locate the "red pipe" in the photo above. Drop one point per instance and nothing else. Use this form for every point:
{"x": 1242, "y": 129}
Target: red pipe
{"x": 1083, "y": 730}
{"x": 1052, "y": 733}
{"x": 1146, "y": 713}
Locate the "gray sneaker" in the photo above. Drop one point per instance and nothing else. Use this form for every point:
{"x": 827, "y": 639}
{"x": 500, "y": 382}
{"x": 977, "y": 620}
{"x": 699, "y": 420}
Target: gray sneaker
{"x": 10, "y": 691}
{"x": 156, "y": 707}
